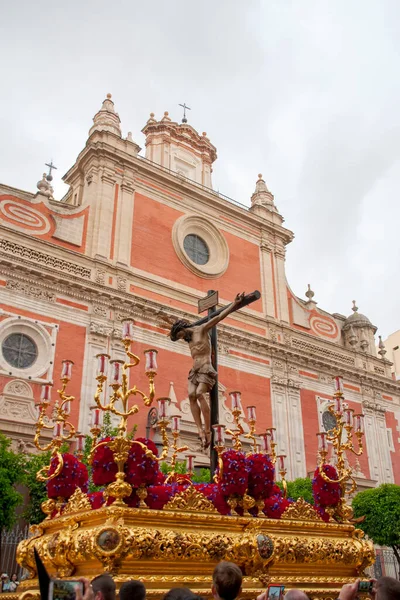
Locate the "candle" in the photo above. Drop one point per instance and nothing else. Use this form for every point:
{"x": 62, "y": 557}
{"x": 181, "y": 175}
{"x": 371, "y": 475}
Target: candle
{"x": 338, "y": 404}
{"x": 79, "y": 441}
{"x": 235, "y": 399}
{"x": 271, "y": 432}
{"x": 116, "y": 372}
{"x": 219, "y": 435}
{"x": 175, "y": 422}
{"x": 151, "y": 361}
{"x": 265, "y": 442}
{"x": 163, "y": 408}
{"x": 102, "y": 364}
{"x": 97, "y": 414}
{"x": 67, "y": 407}
{"x": 251, "y": 413}
{"x": 190, "y": 462}
{"x": 127, "y": 329}
{"x": 338, "y": 384}
{"x": 359, "y": 423}
{"x": 281, "y": 461}
{"x": 322, "y": 444}
{"x": 58, "y": 429}
{"x": 38, "y": 410}
{"x": 46, "y": 392}
{"x": 348, "y": 416}
{"x": 66, "y": 371}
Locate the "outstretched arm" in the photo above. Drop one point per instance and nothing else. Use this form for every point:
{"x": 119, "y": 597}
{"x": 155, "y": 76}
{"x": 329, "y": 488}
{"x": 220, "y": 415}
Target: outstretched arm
{"x": 227, "y": 311}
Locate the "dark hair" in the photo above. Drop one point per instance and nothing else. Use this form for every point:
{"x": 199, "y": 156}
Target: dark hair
{"x": 132, "y": 590}
{"x": 180, "y": 593}
{"x": 175, "y": 329}
{"x": 106, "y": 585}
{"x": 227, "y": 579}
{"x": 387, "y": 588}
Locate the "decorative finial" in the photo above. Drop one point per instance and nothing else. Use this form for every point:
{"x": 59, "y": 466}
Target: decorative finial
{"x": 51, "y": 167}
{"x": 185, "y": 108}
{"x": 204, "y": 133}
{"x": 44, "y": 186}
{"x": 382, "y": 348}
{"x": 262, "y": 196}
{"x": 309, "y": 293}
{"x": 152, "y": 115}
{"x": 166, "y": 113}
{"x": 355, "y": 308}
{"x": 109, "y": 96}
{"x": 129, "y": 136}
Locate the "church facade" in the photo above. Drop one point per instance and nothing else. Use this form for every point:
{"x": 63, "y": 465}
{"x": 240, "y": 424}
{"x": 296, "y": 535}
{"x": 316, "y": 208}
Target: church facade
{"x": 146, "y": 236}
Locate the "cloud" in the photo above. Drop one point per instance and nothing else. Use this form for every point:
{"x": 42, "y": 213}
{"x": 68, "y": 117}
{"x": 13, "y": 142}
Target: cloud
{"x": 305, "y": 92}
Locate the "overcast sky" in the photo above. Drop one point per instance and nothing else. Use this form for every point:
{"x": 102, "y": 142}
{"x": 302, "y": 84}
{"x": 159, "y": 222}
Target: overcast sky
{"x": 306, "y": 92}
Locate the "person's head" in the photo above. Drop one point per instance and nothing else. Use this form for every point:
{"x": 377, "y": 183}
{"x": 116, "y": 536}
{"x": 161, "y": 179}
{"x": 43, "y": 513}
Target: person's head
{"x": 104, "y": 587}
{"x": 178, "y": 331}
{"x": 132, "y": 590}
{"x": 227, "y": 581}
{"x": 387, "y": 588}
{"x": 296, "y": 595}
{"x": 14, "y": 577}
{"x": 4, "y": 578}
{"x": 180, "y": 593}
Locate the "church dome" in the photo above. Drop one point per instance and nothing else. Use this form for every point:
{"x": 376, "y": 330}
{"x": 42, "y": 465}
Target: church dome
{"x": 357, "y": 319}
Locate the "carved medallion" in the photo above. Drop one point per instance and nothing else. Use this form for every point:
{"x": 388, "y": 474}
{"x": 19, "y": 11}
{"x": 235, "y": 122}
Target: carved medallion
{"x": 265, "y": 546}
{"x": 108, "y": 540}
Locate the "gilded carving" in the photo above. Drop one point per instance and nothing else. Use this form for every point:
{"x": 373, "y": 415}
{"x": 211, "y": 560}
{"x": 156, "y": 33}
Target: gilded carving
{"x": 302, "y": 511}
{"x": 192, "y": 500}
{"x": 78, "y": 501}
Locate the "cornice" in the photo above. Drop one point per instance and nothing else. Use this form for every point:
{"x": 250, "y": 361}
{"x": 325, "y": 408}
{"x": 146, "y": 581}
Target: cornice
{"x": 126, "y": 304}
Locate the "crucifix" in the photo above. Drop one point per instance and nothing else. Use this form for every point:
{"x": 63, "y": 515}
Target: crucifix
{"x": 203, "y": 377}
{"x": 51, "y": 167}
{"x": 185, "y": 108}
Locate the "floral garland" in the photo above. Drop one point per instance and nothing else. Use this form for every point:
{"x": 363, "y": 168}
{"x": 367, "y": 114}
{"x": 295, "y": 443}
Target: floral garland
{"x": 104, "y": 468}
{"x": 96, "y": 499}
{"x": 275, "y": 506}
{"x": 326, "y": 493}
{"x": 73, "y": 475}
{"x": 261, "y": 475}
{"x": 159, "y": 495}
{"x": 234, "y": 473}
{"x": 212, "y": 492}
{"x": 139, "y": 468}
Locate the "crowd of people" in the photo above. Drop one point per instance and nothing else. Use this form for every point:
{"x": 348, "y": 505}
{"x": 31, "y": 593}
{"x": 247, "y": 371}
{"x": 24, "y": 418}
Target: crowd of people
{"x": 226, "y": 585}
{"x": 9, "y": 584}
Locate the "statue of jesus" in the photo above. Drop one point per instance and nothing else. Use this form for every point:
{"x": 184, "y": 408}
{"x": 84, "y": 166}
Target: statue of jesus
{"x": 202, "y": 376}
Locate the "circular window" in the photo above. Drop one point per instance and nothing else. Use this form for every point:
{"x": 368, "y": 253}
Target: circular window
{"x": 196, "y": 249}
{"x": 328, "y": 420}
{"x": 19, "y": 350}
{"x": 200, "y": 246}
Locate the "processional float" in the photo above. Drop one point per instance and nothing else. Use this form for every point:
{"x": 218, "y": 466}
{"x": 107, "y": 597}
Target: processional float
{"x": 167, "y": 530}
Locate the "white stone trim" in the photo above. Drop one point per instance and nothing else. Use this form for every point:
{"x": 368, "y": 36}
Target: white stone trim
{"x": 39, "y": 335}
{"x": 217, "y": 245}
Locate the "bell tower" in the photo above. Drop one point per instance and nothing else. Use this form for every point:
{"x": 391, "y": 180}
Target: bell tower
{"x": 179, "y": 148}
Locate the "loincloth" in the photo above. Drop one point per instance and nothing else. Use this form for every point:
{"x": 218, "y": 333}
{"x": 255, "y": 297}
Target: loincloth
{"x": 206, "y": 374}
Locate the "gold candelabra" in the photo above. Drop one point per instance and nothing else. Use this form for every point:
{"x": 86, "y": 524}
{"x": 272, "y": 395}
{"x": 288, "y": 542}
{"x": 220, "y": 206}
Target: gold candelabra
{"x": 175, "y": 427}
{"x": 251, "y": 418}
{"x": 236, "y": 412}
{"x": 340, "y": 436}
{"x": 282, "y": 472}
{"x": 63, "y": 430}
{"x": 118, "y": 404}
